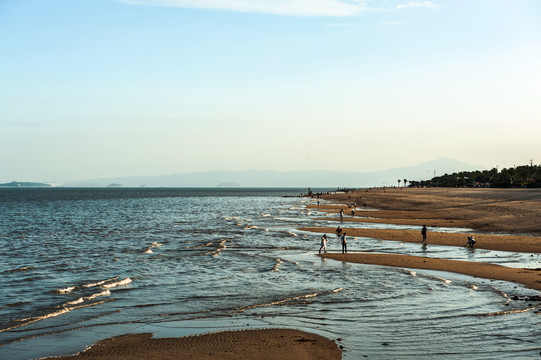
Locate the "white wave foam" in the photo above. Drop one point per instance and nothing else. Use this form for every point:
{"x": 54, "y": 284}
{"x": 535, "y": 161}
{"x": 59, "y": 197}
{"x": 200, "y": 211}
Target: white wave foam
{"x": 66, "y": 290}
{"x": 103, "y": 293}
{"x": 99, "y": 283}
{"x": 219, "y": 248}
{"x": 86, "y": 298}
{"x": 277, "y": 265}
{"x": 126, "y": 281}
{"x": 75, "y": 302}
{"x": 517, "y": 311}
{"x": 21, "y": 269}
{"x": 152, "y": 246}
{"x": 64, "y": 310}
{"x": 283, "y": 301}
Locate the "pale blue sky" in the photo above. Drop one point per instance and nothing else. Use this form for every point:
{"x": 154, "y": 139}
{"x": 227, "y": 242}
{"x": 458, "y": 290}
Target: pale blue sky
{"x": 106, "y": 88}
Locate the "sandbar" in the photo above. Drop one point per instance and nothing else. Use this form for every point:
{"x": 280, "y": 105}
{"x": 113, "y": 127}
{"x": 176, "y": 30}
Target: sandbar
{"x": 528, "y": 277}
{"x": 513, "y": 243}
{"x": 263, "y": 344}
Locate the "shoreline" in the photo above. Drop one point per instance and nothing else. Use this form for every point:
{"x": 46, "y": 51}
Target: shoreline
{"x": 527, "y": 277}
{"x": 484, "y": 210}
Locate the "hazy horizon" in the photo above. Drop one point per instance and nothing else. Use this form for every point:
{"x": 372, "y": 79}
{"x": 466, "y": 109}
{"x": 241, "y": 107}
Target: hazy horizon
{"x": 268, "y": 178}
{"x": 112, "y": 88}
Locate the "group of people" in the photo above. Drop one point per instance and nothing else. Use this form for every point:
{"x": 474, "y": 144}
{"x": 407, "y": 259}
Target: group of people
{"x": 343, "y": 241}
{"x": 471, "y": 240}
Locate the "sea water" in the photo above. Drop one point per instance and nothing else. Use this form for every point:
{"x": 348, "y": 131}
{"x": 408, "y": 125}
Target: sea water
{"x": 80, "y": 265}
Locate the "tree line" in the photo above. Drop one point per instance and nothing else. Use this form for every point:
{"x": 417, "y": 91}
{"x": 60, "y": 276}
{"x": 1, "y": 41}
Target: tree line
{"x": 517, "y": 176}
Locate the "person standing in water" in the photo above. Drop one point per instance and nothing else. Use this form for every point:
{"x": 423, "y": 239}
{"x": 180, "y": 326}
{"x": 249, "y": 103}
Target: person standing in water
{"x": 344, "y": 244}
{"x": 423, "y": 232}
{"x": 323, "y": 243}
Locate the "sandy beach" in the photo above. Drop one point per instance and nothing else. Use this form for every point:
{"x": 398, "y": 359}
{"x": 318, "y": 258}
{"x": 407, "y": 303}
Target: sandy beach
{"x": 490, "y": 212}
{"x": 249, "y": 344}
{"x": 515, "y": 211}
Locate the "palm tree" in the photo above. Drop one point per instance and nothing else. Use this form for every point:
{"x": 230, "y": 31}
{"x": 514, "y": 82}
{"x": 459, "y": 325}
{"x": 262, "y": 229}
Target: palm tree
{"x": 399, "y": 182}
{"x": 405, "y": 183}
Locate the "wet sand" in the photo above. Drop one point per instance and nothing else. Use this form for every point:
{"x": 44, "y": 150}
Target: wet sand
{"x": 529, "y": 278}
{"x": 248, "y": 344}
{"x": 516, "y": 212}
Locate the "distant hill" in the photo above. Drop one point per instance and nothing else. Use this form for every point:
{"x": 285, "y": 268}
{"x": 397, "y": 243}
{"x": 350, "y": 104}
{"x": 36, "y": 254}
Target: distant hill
{"x": 24, "y": 184}
{"x": 312, "y": 178}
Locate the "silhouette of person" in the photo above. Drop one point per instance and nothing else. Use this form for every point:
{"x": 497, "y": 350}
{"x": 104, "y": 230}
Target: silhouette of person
{"x": 344, "y": 244}
{"x": 423, "y": 232}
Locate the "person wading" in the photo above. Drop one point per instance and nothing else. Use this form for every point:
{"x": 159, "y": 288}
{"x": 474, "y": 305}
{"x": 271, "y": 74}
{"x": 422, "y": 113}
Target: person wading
{"x": 344, "y": 244}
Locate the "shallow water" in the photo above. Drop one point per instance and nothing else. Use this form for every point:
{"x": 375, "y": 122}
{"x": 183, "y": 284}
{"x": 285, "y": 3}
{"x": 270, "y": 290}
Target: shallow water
{"x": 79, "y": 265}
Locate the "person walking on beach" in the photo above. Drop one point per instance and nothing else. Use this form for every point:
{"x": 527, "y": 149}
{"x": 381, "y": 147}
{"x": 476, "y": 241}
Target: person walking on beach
{"x": 423, "y": 232}
{"x": 323, "y": 243}
{"x": 344, "y": 244}
{"x": 341, "y": 214}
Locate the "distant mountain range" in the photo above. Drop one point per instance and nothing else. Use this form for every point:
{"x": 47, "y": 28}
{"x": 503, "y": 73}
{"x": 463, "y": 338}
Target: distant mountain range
{"x": 312, "y": 178}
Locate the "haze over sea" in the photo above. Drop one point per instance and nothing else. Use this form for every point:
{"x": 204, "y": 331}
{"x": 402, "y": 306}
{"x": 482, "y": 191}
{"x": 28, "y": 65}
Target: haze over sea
{"x": 80, "y": 265}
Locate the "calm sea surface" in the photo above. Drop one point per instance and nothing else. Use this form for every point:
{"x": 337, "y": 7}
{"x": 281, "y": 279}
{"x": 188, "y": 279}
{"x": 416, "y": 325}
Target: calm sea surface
{"x": 80, "y": 265}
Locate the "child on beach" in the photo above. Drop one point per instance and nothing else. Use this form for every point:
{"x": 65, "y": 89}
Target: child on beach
{"x": 323, "y": 243}
{"x": 471, "y": 241}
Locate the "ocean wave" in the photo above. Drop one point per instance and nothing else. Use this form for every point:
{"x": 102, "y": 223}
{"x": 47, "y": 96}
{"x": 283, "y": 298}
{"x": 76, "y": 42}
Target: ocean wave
{"x": 87, "y": 298}
{"x": 63, "y": 310}
{"x": 21, "y": 269}
{"x": 99, "y": 283}
{"x": 219, "y": 247}
{"x": 501, "y": 293}
{"x": 506, "y": 312}
{"x": 66, "y": 290}
{"x": 152, "y": 246}
{"x": 277, "y": 265}
{"x": 126, "y": 281}
{"x": 287, "y": 300}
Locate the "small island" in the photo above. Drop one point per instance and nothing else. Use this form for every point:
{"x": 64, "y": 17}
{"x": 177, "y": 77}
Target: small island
{"x": 24, "y": 184}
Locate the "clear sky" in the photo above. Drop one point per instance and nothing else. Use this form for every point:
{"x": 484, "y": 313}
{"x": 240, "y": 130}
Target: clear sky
{"x": 106, "y": 88}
